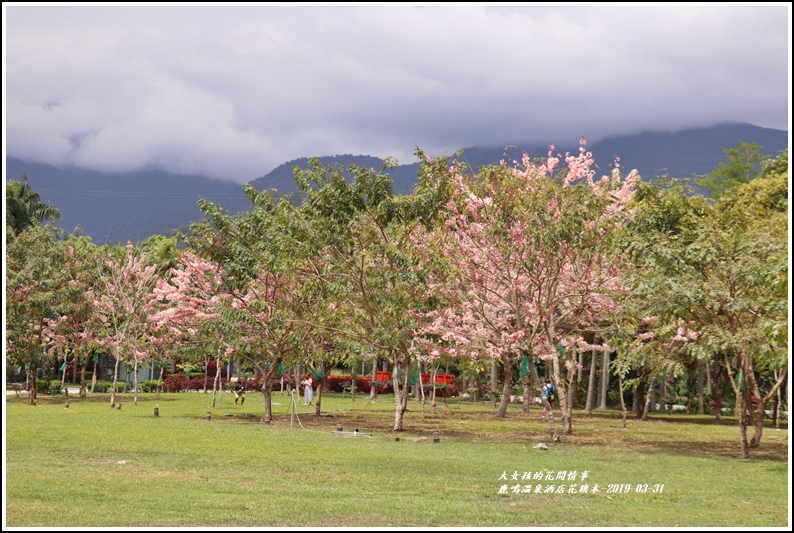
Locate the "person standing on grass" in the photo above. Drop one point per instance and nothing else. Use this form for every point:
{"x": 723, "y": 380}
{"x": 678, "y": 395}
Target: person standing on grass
{"x": 239, "y": 392}
{"x": 307, "y": 389}
{"x": 549, "y": 394}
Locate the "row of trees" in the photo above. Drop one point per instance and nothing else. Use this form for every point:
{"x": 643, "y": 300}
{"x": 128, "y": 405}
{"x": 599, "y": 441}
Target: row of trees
{"x": 536, "y": 259}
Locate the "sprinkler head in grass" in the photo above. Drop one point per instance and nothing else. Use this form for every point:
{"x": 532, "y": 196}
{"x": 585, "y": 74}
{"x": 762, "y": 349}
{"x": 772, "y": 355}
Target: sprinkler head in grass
{"x": 339, "y": 426}
{"x": 436, "y": 438}
{"x": 66, "y": 405}
{"x": 118, "y": 407}
{"x": 156, "y": 411}
{"x": 209, "y": 416}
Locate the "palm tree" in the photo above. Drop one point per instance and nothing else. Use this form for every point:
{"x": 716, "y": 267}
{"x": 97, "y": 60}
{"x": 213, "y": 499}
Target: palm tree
{"x": 24, "y": 208}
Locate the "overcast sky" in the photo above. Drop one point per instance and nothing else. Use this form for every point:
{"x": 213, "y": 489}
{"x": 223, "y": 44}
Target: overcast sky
{"x": 234, "y": 91}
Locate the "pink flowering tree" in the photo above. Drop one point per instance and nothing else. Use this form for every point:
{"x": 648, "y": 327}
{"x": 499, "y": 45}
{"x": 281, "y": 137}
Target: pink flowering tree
{"x": 187, "y": 307}
{"x": 123, "y": 297}
{"x": 523, "y": 264}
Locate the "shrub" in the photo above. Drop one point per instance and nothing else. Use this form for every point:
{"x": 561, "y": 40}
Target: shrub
{"x": 195, "y": 384}
{"x": 363, "y": 385}
{"x": 150, "y": 385}
{"x": 254, "y": 384}
{"x": 105, "y": 386}
{"x": 383, "y": 387}
{"x": 56, "y": 386}
{"x": 175, "y": 382}
{"x": 338, "y": 383}
{"x": 42, "y": 386}
{"x": 442, "y": 390}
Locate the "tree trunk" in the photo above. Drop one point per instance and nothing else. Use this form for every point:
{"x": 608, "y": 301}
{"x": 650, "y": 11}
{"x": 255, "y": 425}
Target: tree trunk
{"x": 640, "y": 399}
{"x": 494, "y": 376}
{"x": 759, "y": 422}
{"x": 663, "y": 395}
{"x": 716, "y": 392}
{"x": 647, "y": 404}
{"x": 135, "y": 380}
{"x": 777, "y": 401}
{"x": 433, "y": 389}
{"x": 622, "y": 403}
{"x": 268, "y": 379}
{"x": 579, "y": 376}
{"x": 373, "y": 390}
{"x": 31, "y": 384}
{"x": 206, "y": 372}
{"x": 400, "y": 379}
{"x": 267, "y": 391}
{"x": 604, "y": 380}
{"x": 533, "y": 376}
{"x": 737, "y": 386}
{"x": 761, "y": 401}
{"x": 701, "y": 379}
{"x": 507, "y": 388}
{"x": 216, "y": 382}
{"x": 82, "y": 377}
{"x": 115, "y": 380}
{"x": 567, "y": 404}
{"x": 527, "y": 397}
{"x": 743, "y": 426}
{"x": 562, "y": 389}
{"x": 320, "y": 387}
{"x": 591, "y": 385}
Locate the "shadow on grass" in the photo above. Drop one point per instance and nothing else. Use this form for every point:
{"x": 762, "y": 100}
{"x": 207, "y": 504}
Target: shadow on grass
{"x": 679, "y": 434}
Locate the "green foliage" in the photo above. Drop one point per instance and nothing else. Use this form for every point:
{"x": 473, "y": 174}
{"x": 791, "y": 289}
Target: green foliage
{"x": 56, "y": 386}
{"x": 107, "y": 386}
{"x": 150, "y": 385}
{"x": 24, "y": 208}
{"x": 743, "y": 165}
{"x": 710, "y": 282}
{"x": 161, "y": 251}
{"x": 43, "y": 386}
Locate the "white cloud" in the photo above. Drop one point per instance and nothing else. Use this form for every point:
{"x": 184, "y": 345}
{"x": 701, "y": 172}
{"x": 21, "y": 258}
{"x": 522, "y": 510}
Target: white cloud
{"x": 233, "y": 92}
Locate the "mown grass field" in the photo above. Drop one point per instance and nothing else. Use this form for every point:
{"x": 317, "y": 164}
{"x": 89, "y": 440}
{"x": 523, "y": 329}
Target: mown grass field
{"x": 92, "y": 466}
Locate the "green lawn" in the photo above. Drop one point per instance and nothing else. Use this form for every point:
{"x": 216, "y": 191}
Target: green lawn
{"x": 92, "y": 466}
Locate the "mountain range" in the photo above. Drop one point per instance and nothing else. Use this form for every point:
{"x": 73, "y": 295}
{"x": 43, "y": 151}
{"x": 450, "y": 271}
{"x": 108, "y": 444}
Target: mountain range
{"x": 112, "y": 208}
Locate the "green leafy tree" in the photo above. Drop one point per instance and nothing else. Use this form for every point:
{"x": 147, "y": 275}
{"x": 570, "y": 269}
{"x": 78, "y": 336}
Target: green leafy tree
{"x": 744, "y": 164}
{"x": 266, "y": 317}
{"x": 361, "y": 231}
{"x": 711, "y": 281}
{"x": 24, "y": 208}
{"x": 34, "y": 287}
